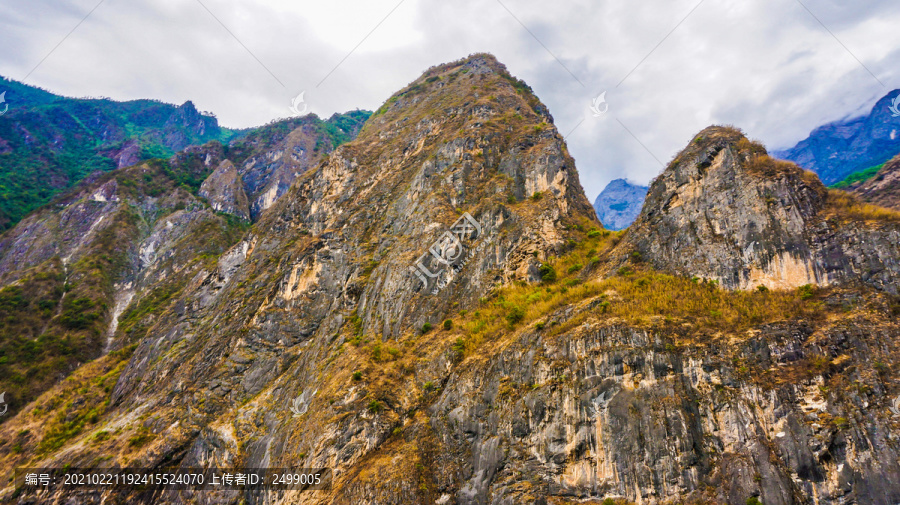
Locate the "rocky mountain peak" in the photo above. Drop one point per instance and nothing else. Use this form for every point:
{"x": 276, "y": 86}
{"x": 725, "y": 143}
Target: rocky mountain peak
{"x": 224, "y": 190}
{"x": 424, "y": 312}
{"x": 464, "y": 143}
{"x": 725, "y": 210}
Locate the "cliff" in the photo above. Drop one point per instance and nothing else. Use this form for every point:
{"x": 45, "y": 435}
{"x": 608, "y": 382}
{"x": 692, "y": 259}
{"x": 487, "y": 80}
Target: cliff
{"x": 434, "y": 312}
{"x": 724, "y": 210}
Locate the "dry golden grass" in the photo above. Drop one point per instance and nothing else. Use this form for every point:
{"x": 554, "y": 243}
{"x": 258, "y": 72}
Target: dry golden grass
{"x": 845, "y": 206}
{"x": 636, "y": 295}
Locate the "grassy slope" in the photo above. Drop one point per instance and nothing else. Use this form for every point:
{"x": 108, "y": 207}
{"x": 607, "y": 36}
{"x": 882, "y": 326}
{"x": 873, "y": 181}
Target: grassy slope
{"x": 857, "y": 177}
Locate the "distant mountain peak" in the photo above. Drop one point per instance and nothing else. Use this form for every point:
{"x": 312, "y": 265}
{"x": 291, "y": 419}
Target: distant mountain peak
{"x": 840, "y": 148}
{"x": 619, "y": 203}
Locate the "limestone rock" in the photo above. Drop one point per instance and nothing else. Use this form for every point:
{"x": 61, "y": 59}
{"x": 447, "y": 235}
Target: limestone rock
{"x": 724, "y": 210}
{"x": 224, "y": 190}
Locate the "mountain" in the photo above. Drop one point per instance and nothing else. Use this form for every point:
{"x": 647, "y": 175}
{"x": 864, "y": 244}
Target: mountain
{"x": 48, "y": 142}
{"x": 838, "y": 149}
{"x": 881, "y": 188}
{"x": 619, "y": 204}
{"x": 433, "y": 312}
{"x": 72, "y": 267}
{"x": 725, "y": 210}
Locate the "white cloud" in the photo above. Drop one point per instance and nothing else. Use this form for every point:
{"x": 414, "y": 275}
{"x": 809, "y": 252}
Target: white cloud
{"x": 766, "y": 66}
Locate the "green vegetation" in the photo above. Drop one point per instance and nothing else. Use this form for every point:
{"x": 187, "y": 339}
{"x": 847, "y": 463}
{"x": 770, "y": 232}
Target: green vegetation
{"x": 80, "y": 402}
{"x": 806, "y": 291}
{"x": 44, "y": 333}
{"x": 547, "y": 273}
{"x": 142, "y": 437}
{"x": 51, "y": 142}
{"x": 857, "y": 177}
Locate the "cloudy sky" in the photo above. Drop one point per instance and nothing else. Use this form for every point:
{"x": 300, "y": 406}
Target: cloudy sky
{"x": 776, "y": 68}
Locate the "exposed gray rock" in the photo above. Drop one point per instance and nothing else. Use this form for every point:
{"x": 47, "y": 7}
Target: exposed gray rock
{"x": 303, "y": 343}
{"x": 883, "y": 188}
{"x": 224, "y": 190}
{"x": 723, "y": 210}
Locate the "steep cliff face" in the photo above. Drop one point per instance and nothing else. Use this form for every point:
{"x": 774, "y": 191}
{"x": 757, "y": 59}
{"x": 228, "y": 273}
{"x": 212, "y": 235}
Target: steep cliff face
{"x": 838, "y": 149}
{"x": 724, "y": 210}
{"x": 73, "y": 268}
{"x": 429, "y": 313}
{"x": 458, "y": 183}
{"x": 224, "y": 190}
{"x": 883, "y": 188}
{"x": 619, "y": 204}
{"x": 269, "y": 159}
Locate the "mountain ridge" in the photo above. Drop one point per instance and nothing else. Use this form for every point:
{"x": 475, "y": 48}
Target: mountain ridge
{"x": 840, "y": 148}
{"x": 433, "y": 311}
{"x": 783, "y": 227}
{"x": 48, "y": 142}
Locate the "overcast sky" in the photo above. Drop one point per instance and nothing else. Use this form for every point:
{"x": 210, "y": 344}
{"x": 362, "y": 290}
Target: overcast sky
{"x": 775, "y": 68}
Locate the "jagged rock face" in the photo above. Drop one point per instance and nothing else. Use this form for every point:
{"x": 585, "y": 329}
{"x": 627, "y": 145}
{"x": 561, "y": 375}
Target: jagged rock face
{"x": 224, "y": 190}
{"x": 459, "y": 183}
{"x": 723, "y": 210}
{"x": 619, "y": 204}
{"x": 271, "y": 158}
{"x": 185, "y": 123}
{"x": 269, "y": 174}
{"x": 616, "y": 411}
{"x": 838, "y": 149}
{"x": 50, "y": 143}
{"x": 304, "y": 343}
{"x": 884, "y": 188}
{"x": 434, "y": 155}
{"x": 102, "y": 246}
{"x": 119, "y": 240}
